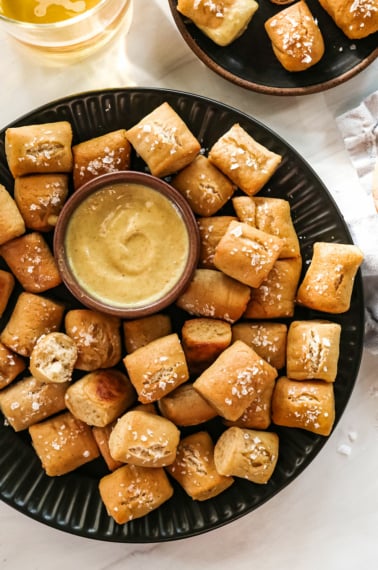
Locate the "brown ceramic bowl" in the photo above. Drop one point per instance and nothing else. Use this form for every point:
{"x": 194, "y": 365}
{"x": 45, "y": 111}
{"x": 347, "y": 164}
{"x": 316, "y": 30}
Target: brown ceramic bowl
{"x": 126, "y": 244}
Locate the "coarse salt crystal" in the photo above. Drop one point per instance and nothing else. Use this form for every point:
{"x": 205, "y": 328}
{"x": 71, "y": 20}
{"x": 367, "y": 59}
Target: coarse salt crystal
{"x": 344, "y": 449}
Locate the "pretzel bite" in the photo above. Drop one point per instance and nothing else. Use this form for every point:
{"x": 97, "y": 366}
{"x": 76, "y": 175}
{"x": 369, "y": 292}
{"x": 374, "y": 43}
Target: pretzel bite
{"x": 247, "y": 453}
{"x": 297, "y": 41}
{"x": 63, "y": 443}
{"x": 40, "y": 198}
{"x": 11, "y": 365}
{"x": 213, "y": 294}
{"x": 97, "y": 337}
{"x": 157, "y": 368}
{"x": 100, "y": 397}
{"x": 144, "y": 439}
{"x": 32, "y": 263}
{"x": 328, "y": 283}
{"x": 223, "y": 21}
{"x": 131, "y": 492}
{"x": 100, "y": 155}
{"x": 29, "y": 401}
{"x": 204, "y": 186}
{"x": 229, "y": 384}
{"x": 7, "y": 283}
{"x": 164, "y": 141}
{"x": 53, "y": 358}
{"x": 12, "y": 223}
{"x": 305, "y": 404}
{"x": 33, "y": 149}
{"x": 247, "y": 254}
{"x": 195, "y": 470}
{"x": 243, "y": 160}
{"x": 32, "y": 316}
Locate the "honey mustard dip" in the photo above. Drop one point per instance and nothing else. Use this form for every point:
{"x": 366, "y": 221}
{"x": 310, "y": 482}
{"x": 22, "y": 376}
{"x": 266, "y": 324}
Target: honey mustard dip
{"x": 127, "y": 244}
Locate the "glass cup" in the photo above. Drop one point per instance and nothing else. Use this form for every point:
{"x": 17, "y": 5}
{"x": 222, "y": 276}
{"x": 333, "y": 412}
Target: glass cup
{"x": 74, "y": 38}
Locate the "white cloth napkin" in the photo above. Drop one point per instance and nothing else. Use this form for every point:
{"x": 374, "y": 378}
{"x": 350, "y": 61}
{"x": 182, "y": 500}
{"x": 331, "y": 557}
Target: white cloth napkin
{"x": 359, "y": 129}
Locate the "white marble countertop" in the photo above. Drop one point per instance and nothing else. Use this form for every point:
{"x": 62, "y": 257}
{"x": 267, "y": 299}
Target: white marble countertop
{"x": 328, "y": 517}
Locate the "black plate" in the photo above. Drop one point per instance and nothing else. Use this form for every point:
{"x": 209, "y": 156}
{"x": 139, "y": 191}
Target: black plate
{"x": 72, "y": 503}
{"x": 249, "y": 61}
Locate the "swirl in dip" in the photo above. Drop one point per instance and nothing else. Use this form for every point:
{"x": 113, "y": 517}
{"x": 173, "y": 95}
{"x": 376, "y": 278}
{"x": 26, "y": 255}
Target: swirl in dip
{"x": 127, "y": 244}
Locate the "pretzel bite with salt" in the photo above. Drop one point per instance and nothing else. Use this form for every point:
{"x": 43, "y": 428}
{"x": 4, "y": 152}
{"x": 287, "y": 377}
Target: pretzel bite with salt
{"x": 204, "y": 186}
{"x": 194, "y": 468}
{"x": 32, "y": 316}
{"x": 213, "y": 294}
{"x": 266, "y": 338}
{"x": 12, "y": 223}
{"x": 313, "y": 349}
{"x": 40, "y": 198}
{"x": 32, "y": 263}
{"x": 97, "y": 337}
{"x": 297, "y": 41}
{"x": 144, "y": 439}
{"x": 223, "y": 21}
{"x": 305, "y": 404}
{"x": 107, "y": 153}
{"x": 211, "y": 230}
{"x": 11, "y": 365}
{"x": 357, "y": 20}
{"x": 246, "y": 453}
{"x": 157, "y": 368}
{"x": 270, "y": 215}
{"x": 229, "y": 384}
{"x": 275, "y": 297}
{"x": 247, "y": 254}
{"x": 29, "y": 401}
{"x": 63, "y": 444}
{"x": 131, "y": 492}
{"x": 243, "y": 160}
{"x": 258, "y": 415}
{"x": 328, "y": 283}
{"x": 39, "y": 148}
{"x": 164, "y": 141}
